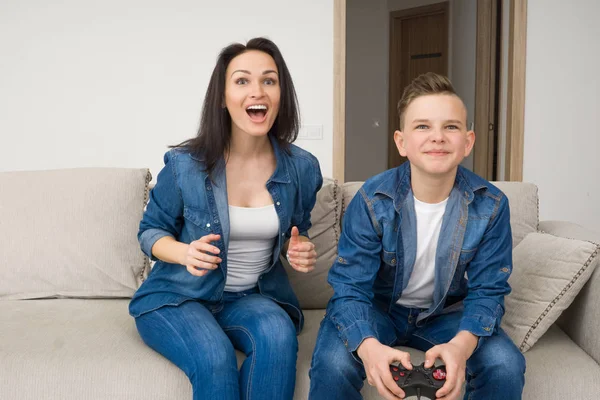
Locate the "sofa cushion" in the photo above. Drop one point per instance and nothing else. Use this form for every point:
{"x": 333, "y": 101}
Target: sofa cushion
{"x": 524, "y": 208}
{"x": 548, "y": 272}
{"x": 559, "y": 369}
{"x": 71, "y": 233}
{"x": 90, "y": 349}
{"x": 312, "y": 288}
{"x": 72, "y": 349}
{"x": 581, "y": 321}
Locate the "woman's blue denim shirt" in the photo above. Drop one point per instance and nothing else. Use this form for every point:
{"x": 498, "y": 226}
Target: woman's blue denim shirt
{"x": 377, "y": 252}
{"x": 186, "y": 205}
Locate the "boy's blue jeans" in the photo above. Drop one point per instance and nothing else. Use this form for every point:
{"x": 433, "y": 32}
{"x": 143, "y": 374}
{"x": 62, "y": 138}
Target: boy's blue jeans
{"x": 495, "y": 370}
{"x": 202, "y": 344}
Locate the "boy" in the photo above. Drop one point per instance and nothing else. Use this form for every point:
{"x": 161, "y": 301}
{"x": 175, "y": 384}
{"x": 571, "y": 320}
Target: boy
{"x": 424, "y": 259}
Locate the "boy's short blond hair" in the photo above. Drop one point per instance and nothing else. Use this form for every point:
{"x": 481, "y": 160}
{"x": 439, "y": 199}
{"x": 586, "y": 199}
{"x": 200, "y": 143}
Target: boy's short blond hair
{"x": 422, "y": 85}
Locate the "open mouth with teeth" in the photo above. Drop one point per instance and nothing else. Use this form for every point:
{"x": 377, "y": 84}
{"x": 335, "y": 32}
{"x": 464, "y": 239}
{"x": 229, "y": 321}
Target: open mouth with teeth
{"x": 257, "y": 112}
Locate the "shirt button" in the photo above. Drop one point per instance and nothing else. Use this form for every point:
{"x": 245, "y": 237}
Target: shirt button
{"x": 208, "y": 225}
{"x": 216, "y": 221}
{"x": 393, "y": 261}
{"x": 208, "y": 188}
{"x": 278, "y": 203}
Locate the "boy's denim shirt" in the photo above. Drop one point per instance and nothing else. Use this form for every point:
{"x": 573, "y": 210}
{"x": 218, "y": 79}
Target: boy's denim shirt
{"x": 377, "y": 252}
{"x": 186, "y": 205}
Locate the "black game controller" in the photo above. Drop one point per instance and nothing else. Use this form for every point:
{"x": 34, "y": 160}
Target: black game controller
{"x": 419, "y": 381}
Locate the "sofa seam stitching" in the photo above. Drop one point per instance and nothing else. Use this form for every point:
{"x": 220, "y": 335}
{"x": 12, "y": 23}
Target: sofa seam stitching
{"x": 146, "y": 268}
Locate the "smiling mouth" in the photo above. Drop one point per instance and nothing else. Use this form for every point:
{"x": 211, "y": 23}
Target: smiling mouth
{"x": 257, "y": 112}
{"x": 437, "y": 153}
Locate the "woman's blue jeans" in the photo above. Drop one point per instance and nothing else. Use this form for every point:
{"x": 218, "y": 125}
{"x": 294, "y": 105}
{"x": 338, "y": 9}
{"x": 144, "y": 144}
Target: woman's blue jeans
{"x": 202, "y": 344}
{"x": 495, "y": 370}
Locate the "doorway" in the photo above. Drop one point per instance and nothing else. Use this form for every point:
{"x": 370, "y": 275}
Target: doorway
{"x": 369, "y": 112}
{"x": 418, "y": 44}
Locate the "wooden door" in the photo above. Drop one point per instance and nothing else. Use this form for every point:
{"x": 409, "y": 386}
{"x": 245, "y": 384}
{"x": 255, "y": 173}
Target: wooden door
{"x": 418, "y": 44}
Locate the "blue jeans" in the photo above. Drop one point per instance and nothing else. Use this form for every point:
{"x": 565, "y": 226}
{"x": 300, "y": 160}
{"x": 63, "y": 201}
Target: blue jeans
{"x": 495, "y": 370}
{"x": 202, "y": 344}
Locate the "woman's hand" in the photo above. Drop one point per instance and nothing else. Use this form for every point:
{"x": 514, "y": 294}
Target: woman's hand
{"x": 301, "y": 252}
{"x": 197, "y": 259}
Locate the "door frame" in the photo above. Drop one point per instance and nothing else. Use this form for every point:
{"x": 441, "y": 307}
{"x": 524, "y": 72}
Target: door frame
{"x": 486, "y": 96}
{"x": 515, "y": 115}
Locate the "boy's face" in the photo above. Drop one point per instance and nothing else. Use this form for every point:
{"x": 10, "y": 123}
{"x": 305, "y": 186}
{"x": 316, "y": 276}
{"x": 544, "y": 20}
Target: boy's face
{"x": 434, "y": 137}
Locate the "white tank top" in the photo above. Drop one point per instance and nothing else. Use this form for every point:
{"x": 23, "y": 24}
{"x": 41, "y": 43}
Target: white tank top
{"x": 419, "y": 292}
{"x": 252, "y": 235}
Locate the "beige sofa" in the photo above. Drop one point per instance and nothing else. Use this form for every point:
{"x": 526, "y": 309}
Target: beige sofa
{"x": 70, "y": 260}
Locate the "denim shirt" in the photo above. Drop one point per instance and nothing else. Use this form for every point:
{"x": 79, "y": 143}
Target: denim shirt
{"x": 377, "y": 252}
{"x": 186, "y": 205}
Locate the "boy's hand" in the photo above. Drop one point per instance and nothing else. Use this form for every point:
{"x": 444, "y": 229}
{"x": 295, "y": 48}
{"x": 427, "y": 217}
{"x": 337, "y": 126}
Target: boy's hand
{"x": 454, "y": 354}
{"x": 301, "y": 252}
{"x": 377, "y": 358}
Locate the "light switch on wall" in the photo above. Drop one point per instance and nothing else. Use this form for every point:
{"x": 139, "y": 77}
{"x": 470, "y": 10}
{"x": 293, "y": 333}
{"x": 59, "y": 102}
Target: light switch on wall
{"x": 311, "y": 132}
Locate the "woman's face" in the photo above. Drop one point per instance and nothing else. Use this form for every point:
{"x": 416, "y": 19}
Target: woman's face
{"x": 252, "y": 93}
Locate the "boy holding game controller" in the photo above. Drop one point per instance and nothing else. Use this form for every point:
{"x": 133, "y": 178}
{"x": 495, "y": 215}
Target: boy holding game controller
{"x": 424, "y": 259}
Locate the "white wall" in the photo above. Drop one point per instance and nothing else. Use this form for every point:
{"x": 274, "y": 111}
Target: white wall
{"x": 562, "y": 118}
{"x": 112, "y": 83}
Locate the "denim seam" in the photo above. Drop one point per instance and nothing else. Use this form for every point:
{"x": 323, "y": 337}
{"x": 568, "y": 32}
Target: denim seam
{"x": 244, "y": 330}
{"x": 495, "y": 211}
{"x": 371, "y": 212}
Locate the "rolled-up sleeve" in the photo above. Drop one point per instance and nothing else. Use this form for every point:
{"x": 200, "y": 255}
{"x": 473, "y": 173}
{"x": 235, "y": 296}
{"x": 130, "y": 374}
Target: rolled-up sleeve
{"x": 164, "y": 211}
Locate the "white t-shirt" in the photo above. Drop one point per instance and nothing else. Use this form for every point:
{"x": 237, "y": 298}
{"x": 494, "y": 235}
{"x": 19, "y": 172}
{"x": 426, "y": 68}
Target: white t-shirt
{"x": 419, "y": 292}
{"x": 252, "y": 235}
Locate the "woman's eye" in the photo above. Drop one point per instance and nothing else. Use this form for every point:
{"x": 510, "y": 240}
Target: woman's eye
{"x": 241, "y": 81}
{"x": 270, "y": 81}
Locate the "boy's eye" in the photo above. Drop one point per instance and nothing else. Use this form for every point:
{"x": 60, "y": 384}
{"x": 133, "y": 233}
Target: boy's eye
{"x": 452, "y": 127}
{"x": 241, "y": 81}
{"x": 421, "y": 127}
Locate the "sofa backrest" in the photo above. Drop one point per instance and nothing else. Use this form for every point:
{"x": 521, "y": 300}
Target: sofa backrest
{"x": 71, "y": 233}
{"x": 312, "y": 289}
{"x": 524, "y": 208}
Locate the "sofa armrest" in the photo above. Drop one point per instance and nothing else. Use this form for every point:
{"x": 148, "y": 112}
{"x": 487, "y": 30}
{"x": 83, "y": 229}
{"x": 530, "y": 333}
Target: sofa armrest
{"x": 581, "y": 321}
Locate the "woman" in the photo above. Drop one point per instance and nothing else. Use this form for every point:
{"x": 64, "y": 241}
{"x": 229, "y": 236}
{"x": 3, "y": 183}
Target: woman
{"x": 224, "y": 207}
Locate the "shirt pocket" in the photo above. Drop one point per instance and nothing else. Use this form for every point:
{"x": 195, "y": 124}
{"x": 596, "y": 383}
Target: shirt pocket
{"x": 198, "y": 222}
